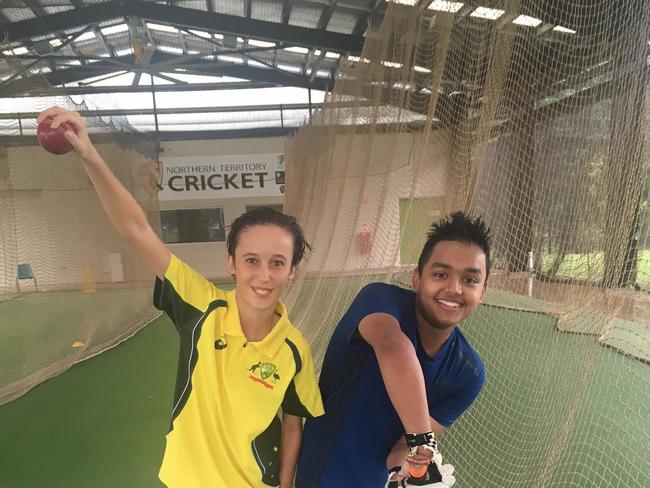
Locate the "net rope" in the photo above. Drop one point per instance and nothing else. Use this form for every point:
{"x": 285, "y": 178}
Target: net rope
{"x": 543, "y": 133}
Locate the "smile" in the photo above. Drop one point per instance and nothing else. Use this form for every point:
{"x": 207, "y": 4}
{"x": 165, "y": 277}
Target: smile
{"x": 447, "y": 304}
{"x": 261, "y": 292}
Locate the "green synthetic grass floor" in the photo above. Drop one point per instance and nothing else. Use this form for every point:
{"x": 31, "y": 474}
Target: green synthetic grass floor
{"x": 99, "y": 425}
{"x": 558, "y": 411}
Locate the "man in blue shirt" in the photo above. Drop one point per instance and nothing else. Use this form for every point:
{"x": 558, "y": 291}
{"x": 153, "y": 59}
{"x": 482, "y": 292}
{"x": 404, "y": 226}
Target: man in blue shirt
{"x": 398, "y": 371}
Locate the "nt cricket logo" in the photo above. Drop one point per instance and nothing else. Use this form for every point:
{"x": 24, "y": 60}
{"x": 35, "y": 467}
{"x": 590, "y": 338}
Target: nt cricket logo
{"x": 265, "y": 374}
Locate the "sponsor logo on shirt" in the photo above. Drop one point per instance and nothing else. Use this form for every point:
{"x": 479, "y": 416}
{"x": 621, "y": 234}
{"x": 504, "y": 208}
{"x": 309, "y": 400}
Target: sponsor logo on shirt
{"x": 265, "y": 374}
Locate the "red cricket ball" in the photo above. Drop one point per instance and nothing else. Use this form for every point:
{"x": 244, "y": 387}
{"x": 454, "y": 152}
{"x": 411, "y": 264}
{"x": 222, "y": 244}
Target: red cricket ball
{"x": 53, "y": 140}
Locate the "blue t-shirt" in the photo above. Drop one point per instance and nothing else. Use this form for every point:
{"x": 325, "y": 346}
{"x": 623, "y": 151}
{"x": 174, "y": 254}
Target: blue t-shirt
{"x": 348, "y": 446}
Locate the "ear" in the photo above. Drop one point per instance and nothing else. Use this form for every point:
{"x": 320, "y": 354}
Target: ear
{"x": 416, "y": 279}
{"x": 292, "y": 272}
{"x": 230, "y": 265}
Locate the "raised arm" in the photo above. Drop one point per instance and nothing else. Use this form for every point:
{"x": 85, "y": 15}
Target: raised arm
{"x": 125, "y": 214}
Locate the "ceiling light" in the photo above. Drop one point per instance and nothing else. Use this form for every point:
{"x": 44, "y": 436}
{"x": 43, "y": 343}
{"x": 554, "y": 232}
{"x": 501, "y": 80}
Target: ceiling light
{"x": 421, "y": 69}
{"x": 20, "y": 50}
{"x": 55, "y": 42}
{"x": 487, "y": 13}
{"x": 391, "y": 64}
{"x": 443, "y": 6}
{"x": 332, "y": 55}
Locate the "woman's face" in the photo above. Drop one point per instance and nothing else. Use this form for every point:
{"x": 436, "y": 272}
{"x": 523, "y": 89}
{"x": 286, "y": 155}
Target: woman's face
{"x": 262, "y": 265}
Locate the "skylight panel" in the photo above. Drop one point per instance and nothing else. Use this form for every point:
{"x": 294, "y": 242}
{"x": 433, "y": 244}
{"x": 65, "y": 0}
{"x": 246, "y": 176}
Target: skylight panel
{"x": 86, "y": 36}
{"x": 527, "y": 21}
{"x": 162, "y": 28}
{"x": 114, "y": 29}
{"x": 565, "y": 30}
{"x": 487, "y": 13}
{"x": 443, "y": 6}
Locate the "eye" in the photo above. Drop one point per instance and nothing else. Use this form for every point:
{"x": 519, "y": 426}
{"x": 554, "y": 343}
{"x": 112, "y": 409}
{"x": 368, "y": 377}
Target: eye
{"x": 470, "y": 280}
{"x": 250, "y": 260}
{"x": 439, "y": 275}
{"x": 278, "y": 263}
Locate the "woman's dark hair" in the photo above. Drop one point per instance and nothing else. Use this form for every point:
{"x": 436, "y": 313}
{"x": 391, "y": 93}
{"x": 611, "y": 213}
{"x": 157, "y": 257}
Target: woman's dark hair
{"x": 268, "y": 216}
{"x": 460, "y": 228}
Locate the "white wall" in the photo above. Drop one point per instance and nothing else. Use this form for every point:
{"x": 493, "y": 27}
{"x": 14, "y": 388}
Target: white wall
{"x": 52, "y": 218}
{"x": 360, "y": 181}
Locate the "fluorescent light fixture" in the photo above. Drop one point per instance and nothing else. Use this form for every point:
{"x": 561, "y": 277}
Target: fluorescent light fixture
{"x": 258, "y": 43}
{"x": 55, "y": 42}
{"x": 8, "y": 53}
{"x": 86, "y": 36}
{"x": 162, "y": 28}
{"x": 115, "y": 29}
{"x": 527, "y": 21}
{"x": 199, "y": 33}
{"x": 487, "y": 13}
{"x": 332, "y": 55}
{"x": 421, "y": 69}
{"x": 391, "y": 64}
{"x": 20, "y": 50}
{"x": 297, "y": 49}
{"x": 443, "y": 6}
{"x": 566, "y": 30}
{"x": 323, "y": 73}
{"x": 406, "y": 2}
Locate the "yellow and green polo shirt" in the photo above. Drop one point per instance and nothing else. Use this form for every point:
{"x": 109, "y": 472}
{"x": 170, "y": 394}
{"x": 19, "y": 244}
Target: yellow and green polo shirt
{"x": 225, "y": 429}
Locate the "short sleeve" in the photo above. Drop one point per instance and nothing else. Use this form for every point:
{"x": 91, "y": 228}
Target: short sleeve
{"x": 303, "y": 398}
{"x": 184, "y": 294}
{"x": 372, "y": 298}
{"x": 447, "y": 410}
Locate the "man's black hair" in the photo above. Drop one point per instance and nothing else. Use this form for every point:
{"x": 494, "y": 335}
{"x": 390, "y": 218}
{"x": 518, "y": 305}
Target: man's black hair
{"x": 460, "y": 228}
{"x": 268, "y": 216}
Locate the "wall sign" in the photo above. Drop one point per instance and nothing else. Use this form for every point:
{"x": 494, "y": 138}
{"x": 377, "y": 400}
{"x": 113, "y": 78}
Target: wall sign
{"x": 232, "y": 176}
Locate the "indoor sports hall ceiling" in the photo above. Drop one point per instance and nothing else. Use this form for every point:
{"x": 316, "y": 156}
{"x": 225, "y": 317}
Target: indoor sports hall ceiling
{"x": 274, "y": 42}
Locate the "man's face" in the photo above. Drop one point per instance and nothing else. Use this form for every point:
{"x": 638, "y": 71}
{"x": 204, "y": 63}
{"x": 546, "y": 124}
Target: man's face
{"x": 451, "y": 285}
{"x": 261, "y": 265}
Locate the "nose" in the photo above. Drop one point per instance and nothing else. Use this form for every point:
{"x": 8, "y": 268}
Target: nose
{"x": 454, "y": 285}
{"x": 265, "y": 273}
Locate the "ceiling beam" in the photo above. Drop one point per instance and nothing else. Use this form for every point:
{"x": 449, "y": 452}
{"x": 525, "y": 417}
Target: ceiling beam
{"x": 90, "y": 89}
{"x": 179, "y": 16}
{"x": 198, "y": 66}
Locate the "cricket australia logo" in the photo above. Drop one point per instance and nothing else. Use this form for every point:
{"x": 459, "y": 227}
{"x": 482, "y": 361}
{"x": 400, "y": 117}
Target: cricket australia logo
{"x": 264, "y": 373}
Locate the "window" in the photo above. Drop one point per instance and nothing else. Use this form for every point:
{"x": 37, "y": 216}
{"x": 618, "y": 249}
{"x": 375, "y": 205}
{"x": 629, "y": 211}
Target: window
{"x": 192, "y": 225}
